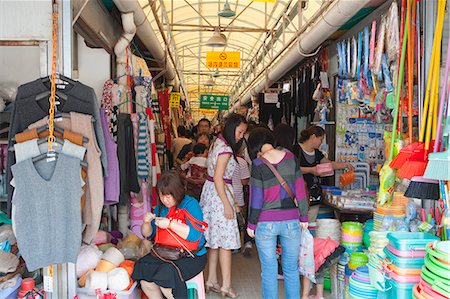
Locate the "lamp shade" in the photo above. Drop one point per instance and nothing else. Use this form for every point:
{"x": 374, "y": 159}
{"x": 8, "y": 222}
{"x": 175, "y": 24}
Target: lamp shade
{"x": 226, "y": 12}
{"x": 217, "y": 40}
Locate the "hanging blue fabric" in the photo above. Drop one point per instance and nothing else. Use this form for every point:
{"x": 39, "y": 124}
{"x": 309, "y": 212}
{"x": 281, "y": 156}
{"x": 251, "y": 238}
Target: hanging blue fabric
{"x": 339, "y": 59}
{"x": 358, "y": 62}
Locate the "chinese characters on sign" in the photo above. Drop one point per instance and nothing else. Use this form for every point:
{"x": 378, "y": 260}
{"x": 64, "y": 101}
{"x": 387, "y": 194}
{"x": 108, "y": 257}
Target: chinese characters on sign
{"x": 223, "y": 60}
{"x": 216, "y": 102}
{"x": 174, "y": 100}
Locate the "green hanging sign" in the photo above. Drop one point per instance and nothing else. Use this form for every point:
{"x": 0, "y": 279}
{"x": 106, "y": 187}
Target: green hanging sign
{"x": 216, "y": 102}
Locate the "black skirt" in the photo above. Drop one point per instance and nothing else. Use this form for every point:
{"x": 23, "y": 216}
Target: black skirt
{"x": 165, "y": 274}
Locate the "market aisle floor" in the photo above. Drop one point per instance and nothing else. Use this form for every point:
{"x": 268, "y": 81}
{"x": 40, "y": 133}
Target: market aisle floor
{"x": 247, "y": 279}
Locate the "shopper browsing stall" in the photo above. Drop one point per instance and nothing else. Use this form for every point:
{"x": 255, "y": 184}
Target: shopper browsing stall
{"x": 217, "y": 204}
{"x": 273, "y": 211}
{"x": 157, "y": 276}
{"x": 309, "y": 157}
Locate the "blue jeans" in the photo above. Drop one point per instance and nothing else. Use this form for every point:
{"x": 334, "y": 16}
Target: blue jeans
{"x": 266, "y": 241}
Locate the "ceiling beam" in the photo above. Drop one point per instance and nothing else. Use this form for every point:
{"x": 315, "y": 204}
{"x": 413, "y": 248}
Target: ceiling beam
{"x": 222, "y": 28}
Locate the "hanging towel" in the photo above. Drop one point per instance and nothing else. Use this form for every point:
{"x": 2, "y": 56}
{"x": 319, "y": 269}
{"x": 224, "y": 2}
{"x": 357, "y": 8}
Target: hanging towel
{"x": 142, "y": 146}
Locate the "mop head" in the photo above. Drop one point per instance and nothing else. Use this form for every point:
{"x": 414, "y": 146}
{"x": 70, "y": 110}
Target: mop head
{"x": 423, "y": 188}
{"x": 438, "y": 166}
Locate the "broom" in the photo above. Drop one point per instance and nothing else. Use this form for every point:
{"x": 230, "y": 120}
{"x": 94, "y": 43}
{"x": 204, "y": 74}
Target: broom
{"x": 406, "y": 152}
{"x": 438, "y": 167}
{"x": 409, "y": 150}
{"x": 423, "y": 188}
{"x": 416, "y": 164}
{"x": 387, "y": 174}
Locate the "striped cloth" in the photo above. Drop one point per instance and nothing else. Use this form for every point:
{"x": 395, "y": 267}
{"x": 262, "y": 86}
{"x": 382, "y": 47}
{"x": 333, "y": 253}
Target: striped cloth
{"x": 269, "y": 201}
{"x": 142, "y": 148}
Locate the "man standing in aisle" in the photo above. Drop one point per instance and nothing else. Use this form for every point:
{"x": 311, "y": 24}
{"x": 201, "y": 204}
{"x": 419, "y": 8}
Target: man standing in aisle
{"x": 203, "y": 127}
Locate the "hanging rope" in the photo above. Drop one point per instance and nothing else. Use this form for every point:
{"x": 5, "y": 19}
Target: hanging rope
{"x": 51, "y": 112}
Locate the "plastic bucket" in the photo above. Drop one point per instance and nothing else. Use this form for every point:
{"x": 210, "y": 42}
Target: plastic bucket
{"x": 359, "y": 258}
{"x": 439, "y": 254}
{"x": 347, "y": 178}
{"x": 352, "y": 239}
{"x": 400, "y": 290}
{"x": 402, "y": 271}
{"x": 377, "y": 277}
{"x": 352, "y": 226}
{"x": 436, "y": 268}
{"x": 412, "y": 279}
{"x": 428, "y": 289}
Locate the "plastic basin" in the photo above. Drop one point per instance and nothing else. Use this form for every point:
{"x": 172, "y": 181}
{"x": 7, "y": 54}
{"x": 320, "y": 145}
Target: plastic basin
{"x": 352, "y": 226}
{"x": 408, "y": 263}
{"x": 400, "y": 290}
{"x": 407, "y": 241}
{"x": 409, "y": 253}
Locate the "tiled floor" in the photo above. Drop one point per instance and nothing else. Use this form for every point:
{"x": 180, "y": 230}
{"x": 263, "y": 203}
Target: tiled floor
{"x": 246, "y": 277}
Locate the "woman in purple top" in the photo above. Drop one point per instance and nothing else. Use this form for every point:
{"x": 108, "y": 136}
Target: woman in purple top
{"x": 218, "y": 207}
{"x": 273, "y": 213}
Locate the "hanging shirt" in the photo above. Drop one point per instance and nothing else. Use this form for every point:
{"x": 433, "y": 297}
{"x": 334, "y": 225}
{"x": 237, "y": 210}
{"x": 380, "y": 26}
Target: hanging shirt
{"x": 47, "y": 217}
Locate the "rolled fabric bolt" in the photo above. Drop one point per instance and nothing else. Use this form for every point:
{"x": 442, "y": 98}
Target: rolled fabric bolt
{"x": 114, "y": 256}
{"x": 97, "y": 280}
{"x": 118, "y": 279}
{"x": 104, "y": 266}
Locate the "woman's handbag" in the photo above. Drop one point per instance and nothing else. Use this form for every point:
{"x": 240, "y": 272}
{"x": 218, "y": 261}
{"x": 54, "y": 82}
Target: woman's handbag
{"x": 171, "y": 246}
{"x": 239, "y": 215}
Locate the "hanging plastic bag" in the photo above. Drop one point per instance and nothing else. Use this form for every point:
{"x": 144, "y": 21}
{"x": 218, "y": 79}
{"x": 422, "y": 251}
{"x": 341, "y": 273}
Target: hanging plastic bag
{"x": 306, "y": 256}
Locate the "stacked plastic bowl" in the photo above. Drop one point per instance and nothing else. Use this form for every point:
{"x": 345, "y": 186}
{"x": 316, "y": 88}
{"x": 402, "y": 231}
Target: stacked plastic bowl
{"x": 378, "y": 240}
{"x": 435, "y": 277}
{"x": 359, "y": 285}
{"x": 352, "y": 233}
{"x": 396, "y": 209}
{"x": 328, "y": 228}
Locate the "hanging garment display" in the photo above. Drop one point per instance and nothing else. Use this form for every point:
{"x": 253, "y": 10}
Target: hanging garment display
{"x": 82, "y": 124}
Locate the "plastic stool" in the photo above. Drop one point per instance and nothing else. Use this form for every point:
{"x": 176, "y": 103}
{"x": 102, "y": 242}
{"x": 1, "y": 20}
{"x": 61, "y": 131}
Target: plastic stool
{"x": 197, "y": 283}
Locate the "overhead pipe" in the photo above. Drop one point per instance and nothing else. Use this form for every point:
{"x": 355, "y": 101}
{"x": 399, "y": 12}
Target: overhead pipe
{"x": 308, "y": 41}
{"x": 148, "y": 37}
{"x": 129, "y": 30}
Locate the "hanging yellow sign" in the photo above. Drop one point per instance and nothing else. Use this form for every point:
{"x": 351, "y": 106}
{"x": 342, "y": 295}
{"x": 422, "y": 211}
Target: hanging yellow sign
{"x": 223, "y": 60}
{"x": 210, "y": 112}
{"x": 174, "y": 100}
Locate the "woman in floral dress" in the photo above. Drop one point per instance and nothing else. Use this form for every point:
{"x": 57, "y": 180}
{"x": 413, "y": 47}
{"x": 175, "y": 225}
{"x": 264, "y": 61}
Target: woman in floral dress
{"x": 222, "y": 235}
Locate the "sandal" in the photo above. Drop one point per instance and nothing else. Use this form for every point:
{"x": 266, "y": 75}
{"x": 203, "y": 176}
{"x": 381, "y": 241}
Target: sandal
{"x": 228, "y": 292}
{"x": 212, "y": 286}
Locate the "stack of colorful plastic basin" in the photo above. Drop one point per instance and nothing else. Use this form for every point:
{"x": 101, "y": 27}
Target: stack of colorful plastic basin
{"x": 359, "y": 285}
{"x": 352, "y": 234}
{"x": 396, "y": 209}
{"x": 368, "y": 227}
{"x": 406, "y": 251}
{"x": 435, "y": 279}
{"x": 357, "y": 259}
{"x": 378, "y": 240}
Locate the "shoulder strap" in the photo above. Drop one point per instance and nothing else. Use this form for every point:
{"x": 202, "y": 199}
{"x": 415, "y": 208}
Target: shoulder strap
{"x": 232, "y": 195}
{"x": 280, "y": 179}
{"x": 201, "y": 226}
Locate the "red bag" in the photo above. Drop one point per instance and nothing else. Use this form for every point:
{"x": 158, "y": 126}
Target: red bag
{"x": 168, "y": 237}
